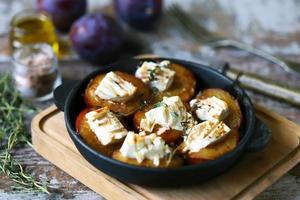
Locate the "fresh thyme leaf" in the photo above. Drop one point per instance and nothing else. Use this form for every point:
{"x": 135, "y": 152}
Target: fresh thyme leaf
{"x": 155, "y": 90}
{"x": 159, "y": 104}
{"x": 12, "y": 133}
{"x": 153, "y": 73}
{"x": 143, "y": 103}
{"x": 174, "y": 114}
{"x": 184, "y": 124}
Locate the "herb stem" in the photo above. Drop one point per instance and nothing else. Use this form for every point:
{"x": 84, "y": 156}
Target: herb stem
{"x": 12, "y": 133}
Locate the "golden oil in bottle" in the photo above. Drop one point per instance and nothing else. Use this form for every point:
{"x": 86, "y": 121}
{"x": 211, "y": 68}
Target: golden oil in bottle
{"x": 30, "y": 27}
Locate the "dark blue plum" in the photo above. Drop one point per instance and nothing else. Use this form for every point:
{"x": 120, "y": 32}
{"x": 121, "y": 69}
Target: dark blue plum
{"x": 140, "y": 14}
{"x": 97, "y": 38}
{"x": 63, "y": 12}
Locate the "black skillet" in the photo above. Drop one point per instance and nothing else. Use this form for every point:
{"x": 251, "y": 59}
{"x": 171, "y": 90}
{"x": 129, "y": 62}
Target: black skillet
{"x": 254, "y": 135}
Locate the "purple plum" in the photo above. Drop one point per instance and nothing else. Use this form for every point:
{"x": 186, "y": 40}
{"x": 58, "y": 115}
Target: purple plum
{"x": 140, "y": 14}
{"x": 97, "y": 38}
{"x": 63, "y": 12}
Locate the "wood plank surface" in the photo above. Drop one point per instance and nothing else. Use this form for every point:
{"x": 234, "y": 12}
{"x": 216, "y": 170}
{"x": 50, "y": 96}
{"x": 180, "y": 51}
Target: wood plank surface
{"x": 248, "y": 178}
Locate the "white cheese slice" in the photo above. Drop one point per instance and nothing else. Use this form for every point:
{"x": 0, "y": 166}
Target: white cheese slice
{"x": 106, "y": 126}
{"x": 169, "y": 114}
{"x": 113, "y": 87}
{"x": 141, "y": 147}
{"x": 157, "y": 75}
{"x": 204, "y": 134}
{"x": 211, "y": 108}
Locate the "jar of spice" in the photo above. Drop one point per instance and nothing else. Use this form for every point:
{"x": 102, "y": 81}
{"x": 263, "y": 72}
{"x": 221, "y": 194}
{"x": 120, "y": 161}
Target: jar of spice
{"x": 35, "y": 71}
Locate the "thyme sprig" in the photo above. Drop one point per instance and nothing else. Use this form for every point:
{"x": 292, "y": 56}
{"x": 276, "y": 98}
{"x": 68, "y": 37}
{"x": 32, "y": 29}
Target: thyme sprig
{"x": 12, "y": 134}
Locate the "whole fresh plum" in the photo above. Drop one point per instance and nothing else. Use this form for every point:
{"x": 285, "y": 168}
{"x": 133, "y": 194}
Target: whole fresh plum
{"x": 141, "y": 14}
{"x": 63, "y": 12}
{"x": 97, "y": 38}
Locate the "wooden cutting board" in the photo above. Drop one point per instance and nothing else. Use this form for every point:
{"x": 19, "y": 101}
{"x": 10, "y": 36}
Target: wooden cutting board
{"x": 250, "y": 176}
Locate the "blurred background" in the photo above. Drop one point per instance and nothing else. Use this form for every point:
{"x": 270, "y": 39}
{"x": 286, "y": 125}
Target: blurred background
{"x": 270, "y": 26}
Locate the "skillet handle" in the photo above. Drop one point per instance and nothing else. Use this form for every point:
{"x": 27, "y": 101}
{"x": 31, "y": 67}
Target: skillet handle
{"x": 61, "y": 93}
{"x": 260, "y": 138}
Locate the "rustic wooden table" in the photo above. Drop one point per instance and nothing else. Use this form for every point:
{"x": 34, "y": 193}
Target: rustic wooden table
{"x": 273, "y": 26}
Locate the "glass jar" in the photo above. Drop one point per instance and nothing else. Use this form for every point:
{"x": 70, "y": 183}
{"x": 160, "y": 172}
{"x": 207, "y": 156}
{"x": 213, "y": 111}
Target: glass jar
{"x": 29, "y": 27}
{"x": 35, "y": 71}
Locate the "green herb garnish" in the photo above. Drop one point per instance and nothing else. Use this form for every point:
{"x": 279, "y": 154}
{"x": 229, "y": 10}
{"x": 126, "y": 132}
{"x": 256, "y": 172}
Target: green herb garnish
{"x": 12, "y": 133}
{"x": 174, "y": 114}
{"x": 153, "y": 73}
{"x": 159, "y": 104}
{"x": 185, "y": 125}
{"x": 155, "y": 91}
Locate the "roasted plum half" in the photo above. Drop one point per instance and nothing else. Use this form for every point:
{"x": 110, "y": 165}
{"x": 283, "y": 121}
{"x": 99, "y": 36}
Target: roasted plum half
{"x": 184, "y": 84}
{"x": 234, "y": 119}
{"x": 90, "y": 137}
{"x": 175, "y": 161}
{"x": 142, "y": 95}
{"x": 215, "y": 150}
{"x": 168, "y": 135}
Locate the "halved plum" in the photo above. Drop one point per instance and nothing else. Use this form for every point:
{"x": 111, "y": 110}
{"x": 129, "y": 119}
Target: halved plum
{"x": 84, "y": 130}
{"x": 142, "y": 95}
{"x": 184, "y": 84}
{"x": 175, "y": 161}
{"x": 169, "y": 136}
{"x": 215, "y": 150}
{"x": 234, "y": 119}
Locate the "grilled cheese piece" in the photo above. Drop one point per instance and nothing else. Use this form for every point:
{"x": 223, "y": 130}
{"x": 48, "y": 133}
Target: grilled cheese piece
{"x": 106, "y": 126}
{"x": 169, "y": 114}
{"x": 142, "y": 146}
{"x": 205, "y": 134}
{"x": 114, "y": 88}
{"x": 157, "y": 75}
{"x": 211, "y": 108}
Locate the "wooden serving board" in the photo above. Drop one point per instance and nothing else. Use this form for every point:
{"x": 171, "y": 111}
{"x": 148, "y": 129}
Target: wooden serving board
{"x": 250, "y": 176}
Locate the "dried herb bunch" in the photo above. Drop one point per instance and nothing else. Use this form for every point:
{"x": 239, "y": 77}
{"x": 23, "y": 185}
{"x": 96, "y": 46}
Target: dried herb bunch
{"x": 13, "y": 133}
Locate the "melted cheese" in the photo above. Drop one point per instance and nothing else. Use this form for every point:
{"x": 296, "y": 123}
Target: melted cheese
{"x": 204, "y": 134}
{"x": 211, "y": 108}
{"x": 141, "y": 146}
{"x": 157, "y": 75}
{"x": 169, "y": 114}
{"x": 114, "y": 88}
{"x": 106, "y": 126}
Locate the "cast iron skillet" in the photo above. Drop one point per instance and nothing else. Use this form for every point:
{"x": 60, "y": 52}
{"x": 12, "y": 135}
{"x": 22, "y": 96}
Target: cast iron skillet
{"x": 254, "y": 135}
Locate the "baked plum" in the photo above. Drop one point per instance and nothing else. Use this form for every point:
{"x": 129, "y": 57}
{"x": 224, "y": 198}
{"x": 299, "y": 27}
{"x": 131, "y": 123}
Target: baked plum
{"x": 176, "y": 161}
{"x": 170, "y": 135}
{"x": 184, "y": 84}
{"x": 173, "y": 121}
{"x": 215, "y": 150}
{"x": 84, "y": 130}
{"x": 234, "y": 118}
{"x": 167, "y": 79}
{"x": 147, "y": 151}
{"x": 141, "y": 96}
